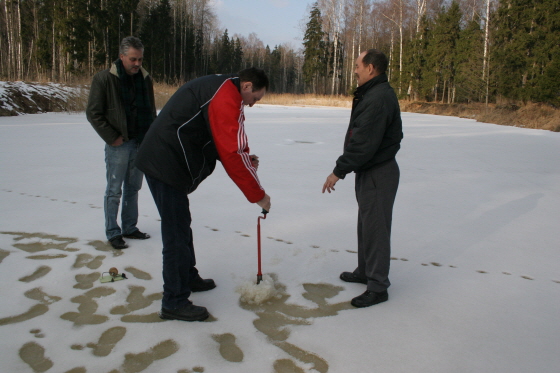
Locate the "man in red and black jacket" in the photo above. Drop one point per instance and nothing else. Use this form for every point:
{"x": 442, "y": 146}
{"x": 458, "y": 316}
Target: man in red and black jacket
{"x": 201, "y": 123}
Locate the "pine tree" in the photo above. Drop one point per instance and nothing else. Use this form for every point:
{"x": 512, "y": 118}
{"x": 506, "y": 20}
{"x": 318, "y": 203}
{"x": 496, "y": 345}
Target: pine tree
{"x": 314, "y": 64}
{"x": 527, "y": 47}
{"x": 77, "y": 35}
{"x": 156, "y": 35}
{"x": 511, "y": 45}
{"x": 470, "y": 53}
{"x": 415, "y": 58}
{"x": 225, "y": 55}
{"x": 237, "y": 60}
{"x": 442, "y": 51}
{"x": 274, "y": 70}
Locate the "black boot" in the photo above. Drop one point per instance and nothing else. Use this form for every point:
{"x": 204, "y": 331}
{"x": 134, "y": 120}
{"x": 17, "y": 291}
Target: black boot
{"x": 118, "y": 243}
{"x": 187, "y": 313}
{"x": 137, "y": 235}
{"x": 369, "y": 298}
{"x": 200, "y": 284}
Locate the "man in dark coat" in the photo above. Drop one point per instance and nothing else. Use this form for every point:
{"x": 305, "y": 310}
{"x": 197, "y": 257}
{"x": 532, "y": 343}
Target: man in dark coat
{"x": 372, "y": 141}
{"x": 121, "y": 107}
{"x": 203, "y": 122}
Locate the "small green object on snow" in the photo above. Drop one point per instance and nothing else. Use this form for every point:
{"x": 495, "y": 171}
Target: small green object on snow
{"x": 112, "y": 277}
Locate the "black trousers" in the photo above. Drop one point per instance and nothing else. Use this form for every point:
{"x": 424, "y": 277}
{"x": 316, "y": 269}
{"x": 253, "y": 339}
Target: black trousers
{"x": 178, "y": 250}
{"x": 376, "y": 189}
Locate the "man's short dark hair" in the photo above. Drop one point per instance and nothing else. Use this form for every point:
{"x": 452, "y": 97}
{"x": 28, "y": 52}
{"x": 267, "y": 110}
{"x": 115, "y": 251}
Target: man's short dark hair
{"x": 130, "y": 42}
{"x": 376, "y": 58}
{"x": 256, "y": 76}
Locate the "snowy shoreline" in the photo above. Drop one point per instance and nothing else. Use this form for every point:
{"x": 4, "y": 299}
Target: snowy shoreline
{"x": 17, "y": 98}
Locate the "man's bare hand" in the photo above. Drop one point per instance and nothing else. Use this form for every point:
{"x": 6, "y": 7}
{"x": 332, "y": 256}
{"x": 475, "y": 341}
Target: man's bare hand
{"x": 329, "y": 184}
{"x": 265, "y": 202}
{"x": 118, "y": 142}
{"x": 255, "y": 161}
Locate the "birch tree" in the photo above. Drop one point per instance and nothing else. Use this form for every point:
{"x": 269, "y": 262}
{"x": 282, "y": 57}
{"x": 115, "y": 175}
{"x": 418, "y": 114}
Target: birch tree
{"x": 395, "y": 11}
{"x": 14, "y": 53}
{"x": 332, "y": 11}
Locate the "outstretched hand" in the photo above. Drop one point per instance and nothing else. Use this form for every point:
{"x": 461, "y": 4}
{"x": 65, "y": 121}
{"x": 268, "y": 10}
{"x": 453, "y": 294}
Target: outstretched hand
{"x": 265, "y": 202}
{"x": 330, "y": 182}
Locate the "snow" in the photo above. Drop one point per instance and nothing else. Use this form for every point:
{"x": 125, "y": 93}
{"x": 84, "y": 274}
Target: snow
{"x": 475, "y": 270}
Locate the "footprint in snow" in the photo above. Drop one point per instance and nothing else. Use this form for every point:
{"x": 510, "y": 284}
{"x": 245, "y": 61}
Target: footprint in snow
{"x": 228, "y": 348}
{"x": 37, "y": 333}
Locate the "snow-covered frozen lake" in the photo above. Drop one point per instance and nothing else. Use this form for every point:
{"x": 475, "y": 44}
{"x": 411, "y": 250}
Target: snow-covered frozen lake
{"x": 475, "y": 269}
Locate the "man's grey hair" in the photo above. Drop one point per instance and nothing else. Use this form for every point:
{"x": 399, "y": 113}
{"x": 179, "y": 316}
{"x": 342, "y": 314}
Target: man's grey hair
{"x": 130, "y": 42}
{"x": 376, "y": 58}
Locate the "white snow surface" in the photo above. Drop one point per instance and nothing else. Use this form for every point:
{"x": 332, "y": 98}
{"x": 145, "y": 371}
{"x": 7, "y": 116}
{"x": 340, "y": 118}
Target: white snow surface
{"x": 475, "y": 246}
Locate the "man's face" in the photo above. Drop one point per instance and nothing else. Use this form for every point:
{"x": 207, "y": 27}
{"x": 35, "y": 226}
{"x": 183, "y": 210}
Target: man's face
{"x": 249, "y": 96}
{"x": 363, "y": 73}
{"x": 132, "y": 60}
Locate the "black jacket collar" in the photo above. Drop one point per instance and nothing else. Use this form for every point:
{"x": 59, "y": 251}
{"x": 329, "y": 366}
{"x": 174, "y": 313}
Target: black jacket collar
{"x": 361, "y": 90}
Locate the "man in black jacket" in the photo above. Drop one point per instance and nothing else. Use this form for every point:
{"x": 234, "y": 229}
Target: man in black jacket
{"x": 121, "y": 107}
{"x": 372, "y": 141}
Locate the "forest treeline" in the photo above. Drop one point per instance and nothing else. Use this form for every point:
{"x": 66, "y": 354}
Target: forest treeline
{"x": 439, "y": 50}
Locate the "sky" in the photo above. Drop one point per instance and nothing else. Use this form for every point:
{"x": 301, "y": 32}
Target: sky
{"x": 474, "y": 270}
{"x": 274, "y": 21}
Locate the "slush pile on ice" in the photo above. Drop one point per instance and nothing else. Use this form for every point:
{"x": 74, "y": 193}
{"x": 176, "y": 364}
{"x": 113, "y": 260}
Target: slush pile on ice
{"x": 257, "y": 294}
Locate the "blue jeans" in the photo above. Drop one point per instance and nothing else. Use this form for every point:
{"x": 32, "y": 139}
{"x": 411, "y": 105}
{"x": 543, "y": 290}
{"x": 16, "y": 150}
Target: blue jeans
{"x": 178, "y": 251}
{"x": 123, "y": 178}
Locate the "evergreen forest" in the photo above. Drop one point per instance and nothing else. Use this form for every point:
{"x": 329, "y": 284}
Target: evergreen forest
{"x": 457, "y": 51}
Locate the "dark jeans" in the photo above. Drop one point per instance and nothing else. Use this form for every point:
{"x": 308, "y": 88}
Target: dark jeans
{"x": 376, "y": 190}
{"x": 178, "y": 250}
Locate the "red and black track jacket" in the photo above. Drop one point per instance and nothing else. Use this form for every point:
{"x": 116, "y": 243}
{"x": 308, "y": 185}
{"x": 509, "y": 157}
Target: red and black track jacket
{"x": 201, "y": 123}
